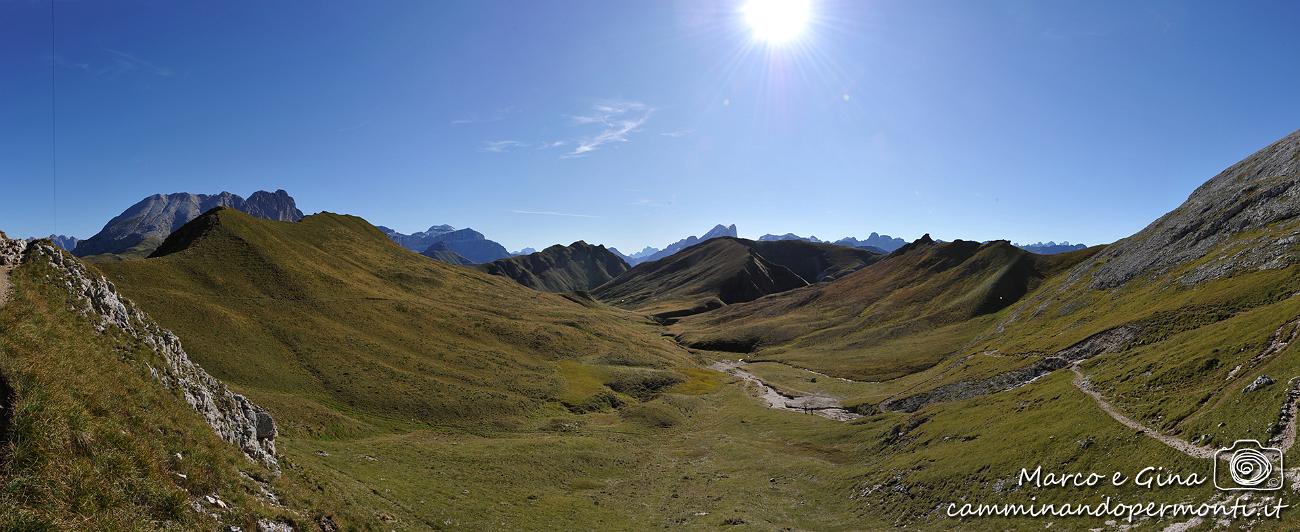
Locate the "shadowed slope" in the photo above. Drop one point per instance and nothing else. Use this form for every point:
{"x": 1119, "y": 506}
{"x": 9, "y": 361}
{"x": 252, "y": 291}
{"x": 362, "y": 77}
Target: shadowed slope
{"x": 723, "y": 271}
{"x": 443, "y": 253}
{"x": 467, "y": 243}
{"x": 578, "y": 266}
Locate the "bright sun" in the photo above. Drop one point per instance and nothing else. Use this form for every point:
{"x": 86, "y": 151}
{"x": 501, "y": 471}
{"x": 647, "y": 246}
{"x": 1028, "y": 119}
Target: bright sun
{"x": 777, "y": 21}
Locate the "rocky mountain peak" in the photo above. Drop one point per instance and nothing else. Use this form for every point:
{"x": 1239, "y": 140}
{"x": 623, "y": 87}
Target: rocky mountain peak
{"x": 720, "y": 231}
{"x": 1258, "y": 192}
{"x": 278, "y": 205}
{"x": 143, "y": 226}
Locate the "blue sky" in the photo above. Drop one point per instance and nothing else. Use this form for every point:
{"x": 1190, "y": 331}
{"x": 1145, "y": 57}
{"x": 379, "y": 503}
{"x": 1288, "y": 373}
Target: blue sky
{"x": 635, "y": 123}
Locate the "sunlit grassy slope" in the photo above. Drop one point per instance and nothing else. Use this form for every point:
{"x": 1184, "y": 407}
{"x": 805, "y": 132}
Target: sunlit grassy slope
{"x": 92, "y": 442}
{"x": 344, "y": 332}
{"x": 534, "y": 409}
{"x": 537, "y": 411}
{"x": 895, "y": 317}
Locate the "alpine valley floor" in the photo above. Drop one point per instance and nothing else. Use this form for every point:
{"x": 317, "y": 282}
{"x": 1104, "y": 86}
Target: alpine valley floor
{"x": 846, "y": 390}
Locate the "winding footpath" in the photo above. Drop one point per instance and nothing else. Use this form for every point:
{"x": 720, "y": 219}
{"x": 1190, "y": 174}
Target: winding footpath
{"x": 1185, "y": 447}
{"x": 4, "y": 285}
{"x": 1284, "y": 440}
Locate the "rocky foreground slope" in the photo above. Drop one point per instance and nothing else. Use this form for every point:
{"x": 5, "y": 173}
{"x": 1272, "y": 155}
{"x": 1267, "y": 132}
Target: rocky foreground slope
{"x": 230, "y": 415}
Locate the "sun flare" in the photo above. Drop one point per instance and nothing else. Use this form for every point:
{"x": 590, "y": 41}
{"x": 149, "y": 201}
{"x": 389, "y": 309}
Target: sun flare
{"x": 777, "y": 21}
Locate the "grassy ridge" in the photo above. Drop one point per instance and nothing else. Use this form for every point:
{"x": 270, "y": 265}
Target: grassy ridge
{"x": 577, "y": 266}
{"x": 585, "y": 415}
{"x": 898, "y": 316}
{"x": 92, "y": 441}
{"x": 724, "y": 271}
{"x": 341, "y": 328}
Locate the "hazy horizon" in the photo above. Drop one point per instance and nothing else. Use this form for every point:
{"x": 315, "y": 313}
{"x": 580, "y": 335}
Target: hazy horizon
{"x": 1011, "y": 120}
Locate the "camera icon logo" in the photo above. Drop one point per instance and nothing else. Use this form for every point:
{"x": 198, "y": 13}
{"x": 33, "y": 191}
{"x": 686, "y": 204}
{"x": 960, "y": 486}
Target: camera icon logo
{"x": 1247, "y": 465}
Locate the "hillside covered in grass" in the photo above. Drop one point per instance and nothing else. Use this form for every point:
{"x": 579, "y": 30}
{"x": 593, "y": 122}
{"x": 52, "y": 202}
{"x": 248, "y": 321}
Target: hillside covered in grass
{"x": 91, "y": 439}
{"x": 727, "y": 270}
{"x": 576, "y": 267}
{"x": 899, "y": 315}
{"x": 330, "y": 321}
{"x": 413, "y": 394}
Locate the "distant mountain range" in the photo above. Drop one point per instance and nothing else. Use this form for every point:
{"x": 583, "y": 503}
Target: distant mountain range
{"x": 651, "y": 254}
{"x": 458, "y": 246}
{"x": 787, "y": 236}
{"x": 635, "y": 257}
{"x": 876, "y": 241}
{"x": 143, "y": 226}
{"x": 578, "y": 266}
{"x": 67, "y": 243}
{"x": 417, "y": 242}
{"x": 1050, "y": 248}
{"x": 471, "y": 245}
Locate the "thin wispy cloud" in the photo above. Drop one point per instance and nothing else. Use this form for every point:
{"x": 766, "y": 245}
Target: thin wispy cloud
{"x": 502, "y": 146}
{"x": 612, "y": 122}
{"x": 678, "y": 133}
{"x": 618, "y": 120}
{"x": 115, "y": 63}
{"x": 353, "y": 127}
{"x": 125, "y": 62}
{"x": 553, "y": 213}
{"x": 495, "y": 116}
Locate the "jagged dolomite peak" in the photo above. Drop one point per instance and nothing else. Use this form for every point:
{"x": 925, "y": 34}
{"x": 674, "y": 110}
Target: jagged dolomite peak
{"x": 231, "y": 416}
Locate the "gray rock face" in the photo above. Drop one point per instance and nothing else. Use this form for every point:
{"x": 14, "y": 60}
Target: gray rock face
{"x": 144, "y": 225}
{"x": 278, "y": 206}
{"x": 1259, "y": 191}
{"x": 231, "y": 416}
{"x": 67, "y": 243}
{"x": 11, "y": 251}
{"x": 1260, "y": 382}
